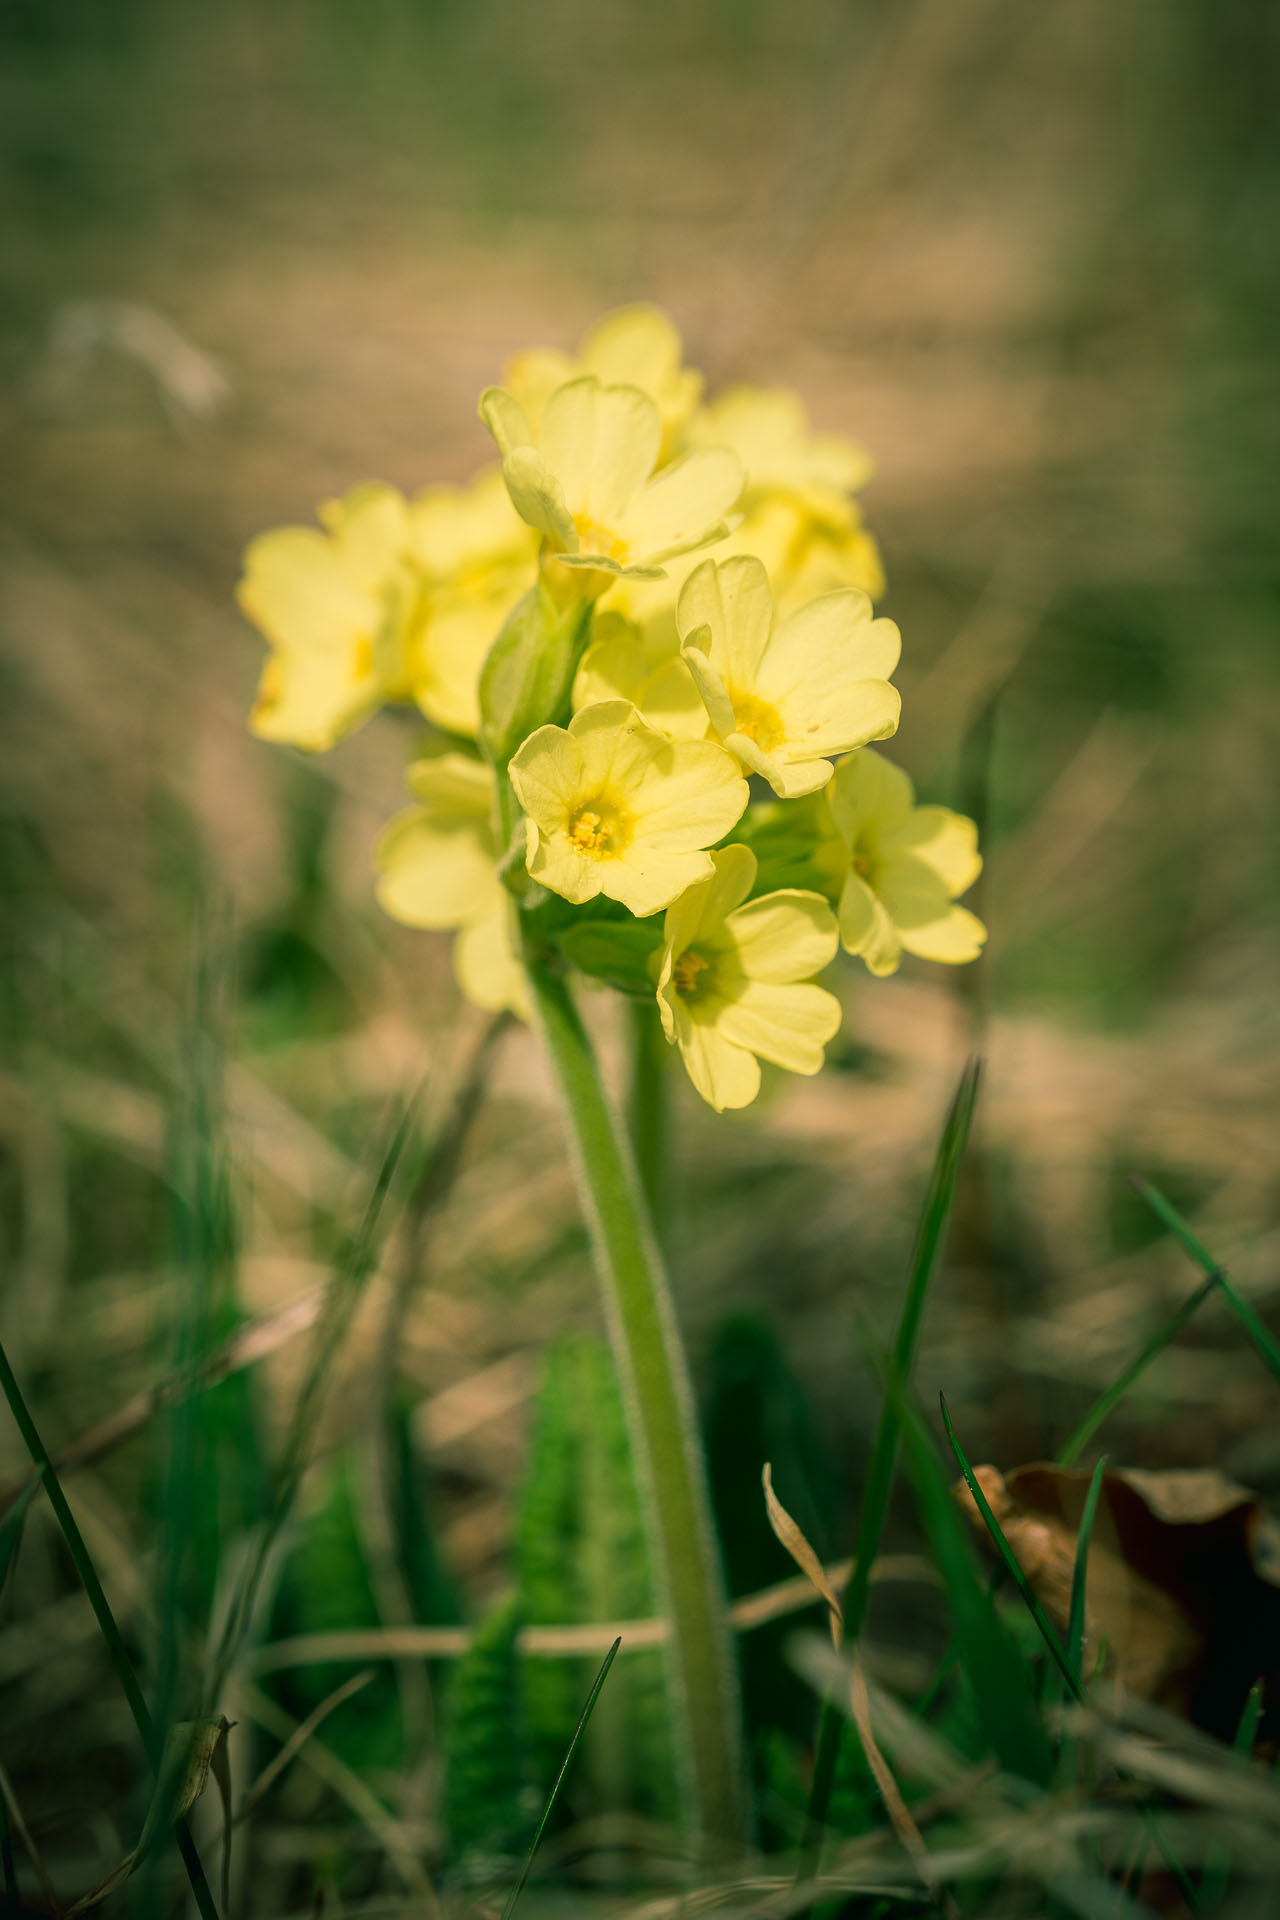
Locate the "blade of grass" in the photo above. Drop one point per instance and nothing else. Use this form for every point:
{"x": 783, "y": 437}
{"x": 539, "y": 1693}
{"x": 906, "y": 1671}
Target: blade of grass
{"x": 993, "y": 1665}
{"x": 1031, "y": 1599}
{"x": 116, "y": 1649}
{"x": 352, "y": 1271}
{"x": 1106, "y": 1403}
{"x": 11, "y": 1531}
{"x": 1268, "y": 1349}
{"x": 875, "y": 1499}
{"x": 7, "y": 1861}
{"x": 1217, "y": 1871}
{"x": 1079, "y": 1572}
{"x": 560, "y": 1778}
{"x": 1048, "y": 1633}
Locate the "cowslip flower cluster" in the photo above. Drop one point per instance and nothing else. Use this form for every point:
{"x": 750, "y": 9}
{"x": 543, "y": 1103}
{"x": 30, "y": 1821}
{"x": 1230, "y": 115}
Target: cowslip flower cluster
{"x": 643, "y": 653}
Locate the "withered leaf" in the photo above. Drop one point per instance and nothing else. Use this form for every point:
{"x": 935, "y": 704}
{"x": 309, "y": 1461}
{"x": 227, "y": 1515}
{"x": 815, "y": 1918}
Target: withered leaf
{"x": 1183, "y": 1586}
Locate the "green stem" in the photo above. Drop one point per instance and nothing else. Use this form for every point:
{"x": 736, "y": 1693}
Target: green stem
{"x": 647, "y": 1112}
{"x": 660, "y": 1416}
{"x": 106, "y": 1619}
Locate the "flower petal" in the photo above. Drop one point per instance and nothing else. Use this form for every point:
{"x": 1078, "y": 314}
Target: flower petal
{"x": 725, "y": 1075}
{"x": 734, "y": 601}
{"x": 787, "y": 1024}
{"x": 646, "y": 879}
{"x": 681, "y": 505}
{"x": 711, "y": 688}
{"x": 784, "y": 936}
{"x": 867, "y": 790}
{"x": 690, "y": 796}
{"x": 546, "y": 772}
{"x": 602, "y": 444}
{"x": 700, "y": 912}
{"x": 919, "y": 902}
{"x": 486, "y": 968}
{"x": 434, "y": 873}
{"x": 945, "y": 841}
{"x": 506, "y": 420}
{"x": 865, "y": 927}
{"x": 537, "y": 496}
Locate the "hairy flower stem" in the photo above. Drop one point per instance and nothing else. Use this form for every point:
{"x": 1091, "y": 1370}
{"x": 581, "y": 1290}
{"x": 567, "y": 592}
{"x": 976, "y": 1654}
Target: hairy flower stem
{"x": 660, "y": 1417}
{"x": 647, "y": 1112}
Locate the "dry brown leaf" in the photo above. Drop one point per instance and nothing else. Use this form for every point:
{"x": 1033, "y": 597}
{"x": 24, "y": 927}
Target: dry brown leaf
{"x": 1183, "y": 1584}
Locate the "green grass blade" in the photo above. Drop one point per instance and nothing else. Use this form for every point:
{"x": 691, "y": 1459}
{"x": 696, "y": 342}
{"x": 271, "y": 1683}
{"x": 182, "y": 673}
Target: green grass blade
{"x": 1079, "y": 1572}
{"x": 1107, "y": 1402}
{"x": 560, "y": 1778}
{"x": 118, "y": 1652}
{"x": 875, "y": 1499}
{"x": 7, "y": 1862}
{"x": 11, "y": 1531}
{"x": 1164, "y": 1211}
{"x": 999, "y": 1680}
{"x": 353, "y": 1269}
{"x": 1044, "y": 1625}
{"x": 1217, "y": 1872}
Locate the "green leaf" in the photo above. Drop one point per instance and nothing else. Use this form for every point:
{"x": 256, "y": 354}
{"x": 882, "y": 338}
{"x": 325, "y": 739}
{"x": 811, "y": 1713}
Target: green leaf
{"x": 1263, "y": 1340}
{"x": 193, "y": 1750}
{"x": 11, "y": 1532}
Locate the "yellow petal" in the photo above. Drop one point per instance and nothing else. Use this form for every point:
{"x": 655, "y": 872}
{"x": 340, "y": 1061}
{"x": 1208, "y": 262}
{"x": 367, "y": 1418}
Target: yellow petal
{"x": 506, "y": 420}
{"x": 868, "y": 791}
{"x": 789, "y": 1025}
{"x": 689, "y": 795}
{"x": 434, "y": 874}
{"x": 725, "y": 1075}
{"x": 865, "y": 927}
{"x": 702, "y": 910}
{"x": 682, "y": 505}
{"x": 733, "y": 601}
{"x": 919, "y": 904}
{"x": 538, "y": 497}
{"x": 945, "y": 841}
{"x": 646, "y": 879}
{"x": 783, "y": 936}
{"x": 546, "y": 772}
{"x": 456, "y": 637}
{"x": 839, "y": 625}
{"x": 486, "y": 968}
{"x": 601, "y": 443}
{"x": 711, "y": 688}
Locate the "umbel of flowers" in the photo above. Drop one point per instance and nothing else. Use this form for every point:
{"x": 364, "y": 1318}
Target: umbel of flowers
{"x": 643, "y": 648}
{"x": 644, "y": 655}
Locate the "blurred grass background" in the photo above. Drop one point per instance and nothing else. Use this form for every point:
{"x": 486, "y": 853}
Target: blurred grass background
{"x": 253, "y": 255}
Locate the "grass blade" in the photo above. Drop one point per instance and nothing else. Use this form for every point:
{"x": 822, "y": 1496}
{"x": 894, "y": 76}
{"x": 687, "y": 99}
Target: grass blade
{"x": 1107, "y": 1402}
{"x": 560, "y": 1778}
{"x": 875, "y": 1499}
{"x": 119, "y": 1653}
{"x": 1079, "y": 1572}
{"x": 1164, "y": 1211}
{"x": 992, "y": 1663}
{"x": 1217, "y": 1872}
{"x": 1031, "y": 1599}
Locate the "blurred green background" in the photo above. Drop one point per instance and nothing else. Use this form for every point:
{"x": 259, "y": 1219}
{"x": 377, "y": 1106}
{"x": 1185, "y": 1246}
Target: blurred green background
{"x": 255, "y": 254}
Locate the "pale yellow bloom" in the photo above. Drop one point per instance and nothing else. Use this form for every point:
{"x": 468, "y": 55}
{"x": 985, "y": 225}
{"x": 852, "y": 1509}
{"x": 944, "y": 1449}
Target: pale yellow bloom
{"x": 437, "y": 867}
{"x": 337, "y": 609}
{"x": 736, "y": 980}
{"x": 642, "y": 665}
{"x": 586, "y": 480}
{"x": 614, "y": 807}
{"x": 768, "y": 428}
{"x": 634, "y": 347}
{"x": 907, "y": 864}
{"x": 477, "y": 557}
{"x": 785, "y": 697}
{"x": 808, "y": 551}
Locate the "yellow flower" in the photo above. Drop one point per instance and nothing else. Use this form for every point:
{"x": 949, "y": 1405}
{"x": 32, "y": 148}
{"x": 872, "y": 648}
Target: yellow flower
{"x": 783, "y": 698}
{"x": 808, "y": 551}
{"x": 768, "y": 428}
{"x": 337, "y": 610}
{"x": 642, "y": 664}
{"x": 634, "y": 347}
{"x": 437, "y": 867}
{"x": 907, "y": 864}
{"x": 586, "y": 481}
{"x": 736, "y": 981}
{"x": 477, "y": 557}
{"x": 616, "y": 808}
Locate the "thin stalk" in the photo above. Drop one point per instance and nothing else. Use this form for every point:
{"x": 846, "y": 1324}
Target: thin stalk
{"x": 116, "y": 1648}
{"x": 1106, "y": 1402}
{"x": 660, "y": 1417}
{"x": 1268, "y": 1350}
{"x": 647, "y": 1112}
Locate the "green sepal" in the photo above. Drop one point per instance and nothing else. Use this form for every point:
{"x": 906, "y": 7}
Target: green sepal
{"x": 615, "y": 951}
{"x": 528, "y": 675}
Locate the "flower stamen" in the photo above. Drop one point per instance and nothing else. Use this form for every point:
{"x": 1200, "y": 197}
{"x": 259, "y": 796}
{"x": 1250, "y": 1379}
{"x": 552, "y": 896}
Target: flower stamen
{"x": 686, "y": 970}
{"x": 588, "y": 832}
